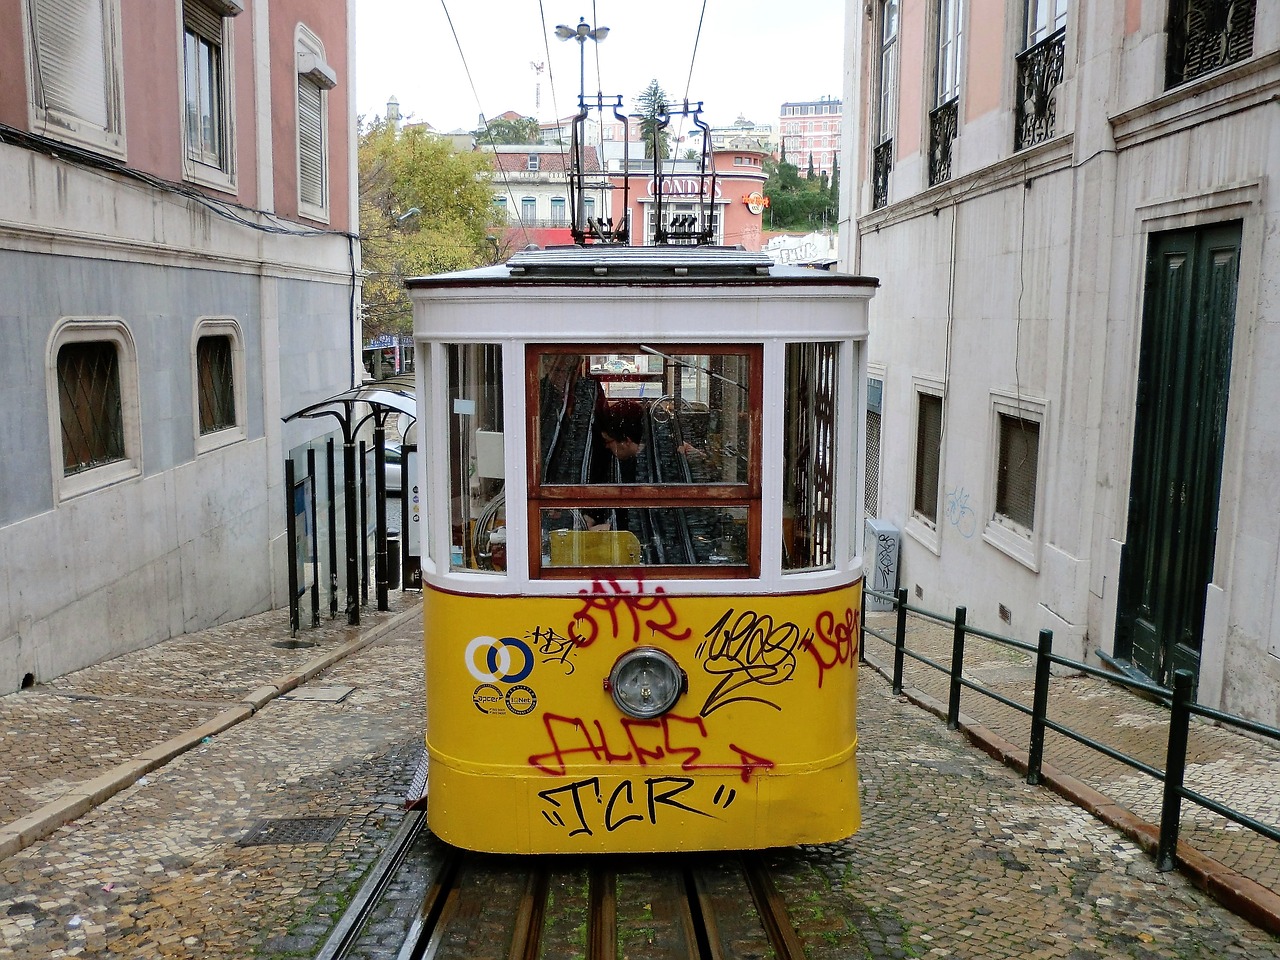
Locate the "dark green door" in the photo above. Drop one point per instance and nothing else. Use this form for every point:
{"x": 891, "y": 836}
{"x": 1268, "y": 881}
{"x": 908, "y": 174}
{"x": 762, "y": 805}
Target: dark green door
{"x": 1188, "y": 316}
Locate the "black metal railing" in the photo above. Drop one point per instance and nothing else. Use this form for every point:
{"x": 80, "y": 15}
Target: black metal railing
{"x": 1207, "y": 35}
{"x": 1179, "y": 699}
{"x": 942, "y": 134}
{"x": 883, "y": 160}
{"x": 1040, "y": 71}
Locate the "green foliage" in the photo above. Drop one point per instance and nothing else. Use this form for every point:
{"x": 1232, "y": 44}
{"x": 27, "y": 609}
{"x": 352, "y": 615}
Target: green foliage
{"x": 524, "y": 130}
{"x": 406, "y": 171}
{"x": 797, "y": 203}
{"x": 651, "y": 104}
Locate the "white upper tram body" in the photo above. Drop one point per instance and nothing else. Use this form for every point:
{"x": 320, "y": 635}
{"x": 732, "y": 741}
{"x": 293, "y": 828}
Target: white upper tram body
{"x": 650, "y": 321}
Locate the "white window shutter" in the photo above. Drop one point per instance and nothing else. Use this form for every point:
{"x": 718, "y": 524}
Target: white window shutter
{"x": 71, "y": 59}
{"x": 311, "y": 174}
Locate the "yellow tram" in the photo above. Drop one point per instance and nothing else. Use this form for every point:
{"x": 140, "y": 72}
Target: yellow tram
{"x": 641, "y": 561}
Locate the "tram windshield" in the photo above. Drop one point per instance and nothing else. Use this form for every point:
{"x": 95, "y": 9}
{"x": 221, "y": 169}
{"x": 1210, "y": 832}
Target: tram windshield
{"x": 646, "y": 455}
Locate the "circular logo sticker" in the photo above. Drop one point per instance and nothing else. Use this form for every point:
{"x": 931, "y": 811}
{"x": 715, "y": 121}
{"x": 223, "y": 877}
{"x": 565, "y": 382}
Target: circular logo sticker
{"x": 488, "y": 699}
{"x": 490, "y": 659}
{"x": 521, "y": 700}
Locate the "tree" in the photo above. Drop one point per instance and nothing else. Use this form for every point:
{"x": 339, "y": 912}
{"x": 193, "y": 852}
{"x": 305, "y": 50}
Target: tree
{"x": 423, "y": 209}
{"x": 796, "y": 202}
{"x": 651, "y": 105}
{"x": 502, "y": 130}
{"x": 835, "y": 184}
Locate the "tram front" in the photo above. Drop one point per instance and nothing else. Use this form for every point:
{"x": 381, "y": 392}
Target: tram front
{"x": 641, "y": 561}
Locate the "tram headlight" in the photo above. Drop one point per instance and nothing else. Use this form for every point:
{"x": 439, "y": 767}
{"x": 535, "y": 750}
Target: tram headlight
{"x": 646, "y": 682}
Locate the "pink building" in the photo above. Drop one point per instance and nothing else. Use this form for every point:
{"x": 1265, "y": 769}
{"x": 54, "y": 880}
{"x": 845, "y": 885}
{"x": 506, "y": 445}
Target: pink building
{"x": 179, "y": 208}
{"x": 811, "y": 128}
{"x": 736, "y": 195}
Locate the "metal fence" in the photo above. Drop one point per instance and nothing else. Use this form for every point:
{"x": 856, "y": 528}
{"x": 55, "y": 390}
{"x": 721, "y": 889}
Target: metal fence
{"x": 1178, "y": 700}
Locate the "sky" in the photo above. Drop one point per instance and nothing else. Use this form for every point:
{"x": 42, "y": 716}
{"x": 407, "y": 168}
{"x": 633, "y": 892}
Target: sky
{"x": 751, "y": 56}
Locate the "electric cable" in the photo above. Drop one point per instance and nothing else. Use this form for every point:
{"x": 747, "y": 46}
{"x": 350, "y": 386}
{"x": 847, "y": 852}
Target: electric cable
{"x": 484, "y": 119}
{"x": 694, "y": 56}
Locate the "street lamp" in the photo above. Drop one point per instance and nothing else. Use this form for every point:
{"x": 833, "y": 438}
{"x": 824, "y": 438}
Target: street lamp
{"x": 582, "y": 32}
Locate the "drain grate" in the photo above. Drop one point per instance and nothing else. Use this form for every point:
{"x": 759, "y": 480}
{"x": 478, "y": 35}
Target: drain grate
{"x": 292, "y": 830}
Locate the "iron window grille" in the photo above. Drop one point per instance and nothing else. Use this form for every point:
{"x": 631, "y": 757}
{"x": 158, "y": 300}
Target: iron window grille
{"x": 1040, "y": 70}
{"x": 942, "y": 135}
{"x": 216, "y": 384}
{"x": 90, "y": 405}
{"x": 928, "y": 456}
{"x": 1016, "y": 470}
{"x": 1206, "y": 35}
{"x": 871, "y": 490}
{"x": 883, "y": 160}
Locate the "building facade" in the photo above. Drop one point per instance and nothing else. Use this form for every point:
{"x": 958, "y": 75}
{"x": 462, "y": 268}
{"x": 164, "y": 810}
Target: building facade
{"x": 733, "y": 198}
{"x": 531, "y": 184}
{"x": 1067, "y": 203}
{"x": 178, "y": 237}
{"x": 810, "y": 130}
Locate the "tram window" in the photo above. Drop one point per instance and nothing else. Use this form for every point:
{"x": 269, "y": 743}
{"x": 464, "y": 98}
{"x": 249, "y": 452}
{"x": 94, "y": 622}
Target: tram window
{"x": 809, "y": 455}
{"x": 628, "y": 438}
{"x": 476, "y": 497}
{"x": 644, "y": 536}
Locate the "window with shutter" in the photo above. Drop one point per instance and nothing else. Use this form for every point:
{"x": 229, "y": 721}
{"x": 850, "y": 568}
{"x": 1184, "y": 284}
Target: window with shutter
{"x": 207, "y": 93}
{"x": 315, "y": 79}
{"x": 75, "y": 72}
{"x": 311, "y": 182}
{"x": 1013, "y": 485}
{"x": 928, "y": 456}
{"x": 1016, "y": 465}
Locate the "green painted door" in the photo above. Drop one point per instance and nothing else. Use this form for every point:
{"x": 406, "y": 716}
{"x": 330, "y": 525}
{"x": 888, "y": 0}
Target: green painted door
{"x": 1187, "y": 320}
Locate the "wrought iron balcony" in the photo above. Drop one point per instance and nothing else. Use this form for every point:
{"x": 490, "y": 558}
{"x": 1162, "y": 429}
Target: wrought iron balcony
{"x": 942, "y": 134}
{"x": 880, "y": 175}
{"x": 1039, "y": 76}
{"x": 1206, "y": 35}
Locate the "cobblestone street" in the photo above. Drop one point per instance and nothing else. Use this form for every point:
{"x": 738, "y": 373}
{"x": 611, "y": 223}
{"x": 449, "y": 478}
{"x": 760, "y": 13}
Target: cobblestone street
{"x": 957, "y": 856}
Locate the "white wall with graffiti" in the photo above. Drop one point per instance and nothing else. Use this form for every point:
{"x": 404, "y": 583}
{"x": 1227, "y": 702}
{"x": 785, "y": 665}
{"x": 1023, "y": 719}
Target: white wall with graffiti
{"x": 815, "y": 248}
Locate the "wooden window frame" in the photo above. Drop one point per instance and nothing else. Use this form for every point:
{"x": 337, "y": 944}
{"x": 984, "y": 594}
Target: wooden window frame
{"x": 645, "y": 496}
{"x": 210, "y": 23}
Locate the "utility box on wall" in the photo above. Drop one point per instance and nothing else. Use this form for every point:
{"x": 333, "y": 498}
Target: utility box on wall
{"x": 880, "y": 547}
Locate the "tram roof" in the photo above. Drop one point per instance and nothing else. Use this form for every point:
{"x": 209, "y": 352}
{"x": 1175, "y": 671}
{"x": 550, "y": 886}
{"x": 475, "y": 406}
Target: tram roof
{"x": 604, "y": 263}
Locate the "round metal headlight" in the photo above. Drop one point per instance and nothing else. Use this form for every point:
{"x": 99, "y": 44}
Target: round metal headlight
{"x": 646, "y": 682}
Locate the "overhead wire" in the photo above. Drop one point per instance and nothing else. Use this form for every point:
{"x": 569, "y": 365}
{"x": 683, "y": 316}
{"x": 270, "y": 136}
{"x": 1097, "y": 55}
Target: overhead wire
{"x": 694, "y": 56}
{"x": 483, "y": 118}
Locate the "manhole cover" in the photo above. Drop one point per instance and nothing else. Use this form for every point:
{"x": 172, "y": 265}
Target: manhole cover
{"x": 292, "y": 830}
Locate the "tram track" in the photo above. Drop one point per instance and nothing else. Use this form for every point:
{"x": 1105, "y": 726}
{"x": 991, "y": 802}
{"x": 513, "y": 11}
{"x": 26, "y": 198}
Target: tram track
{"x": 662, "y": 907}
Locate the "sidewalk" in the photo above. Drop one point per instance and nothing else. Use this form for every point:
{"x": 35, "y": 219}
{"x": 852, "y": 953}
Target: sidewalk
{"x": 68, "y": 745}
{"x": 1237, "y": 866}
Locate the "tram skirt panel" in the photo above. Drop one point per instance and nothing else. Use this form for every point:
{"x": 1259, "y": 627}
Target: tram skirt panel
{"x": 529, "y": 753}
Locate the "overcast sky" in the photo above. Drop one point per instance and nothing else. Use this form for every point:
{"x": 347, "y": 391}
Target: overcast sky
{"x": 752, "y": 56}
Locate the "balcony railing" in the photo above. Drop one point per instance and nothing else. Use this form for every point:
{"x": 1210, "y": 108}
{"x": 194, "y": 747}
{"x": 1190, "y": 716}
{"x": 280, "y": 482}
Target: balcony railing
{"x": 883, "y": 160}
{"x": 1206, "y": 35}
{"x": 942, "y": 134}
{"x": 1039, "y": 76}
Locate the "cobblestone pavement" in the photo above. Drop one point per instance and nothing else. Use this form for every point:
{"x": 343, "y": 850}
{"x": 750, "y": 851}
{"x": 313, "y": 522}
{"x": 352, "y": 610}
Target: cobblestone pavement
{"x": 957, "y": 856}
{"x": 1235, "y": 770}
